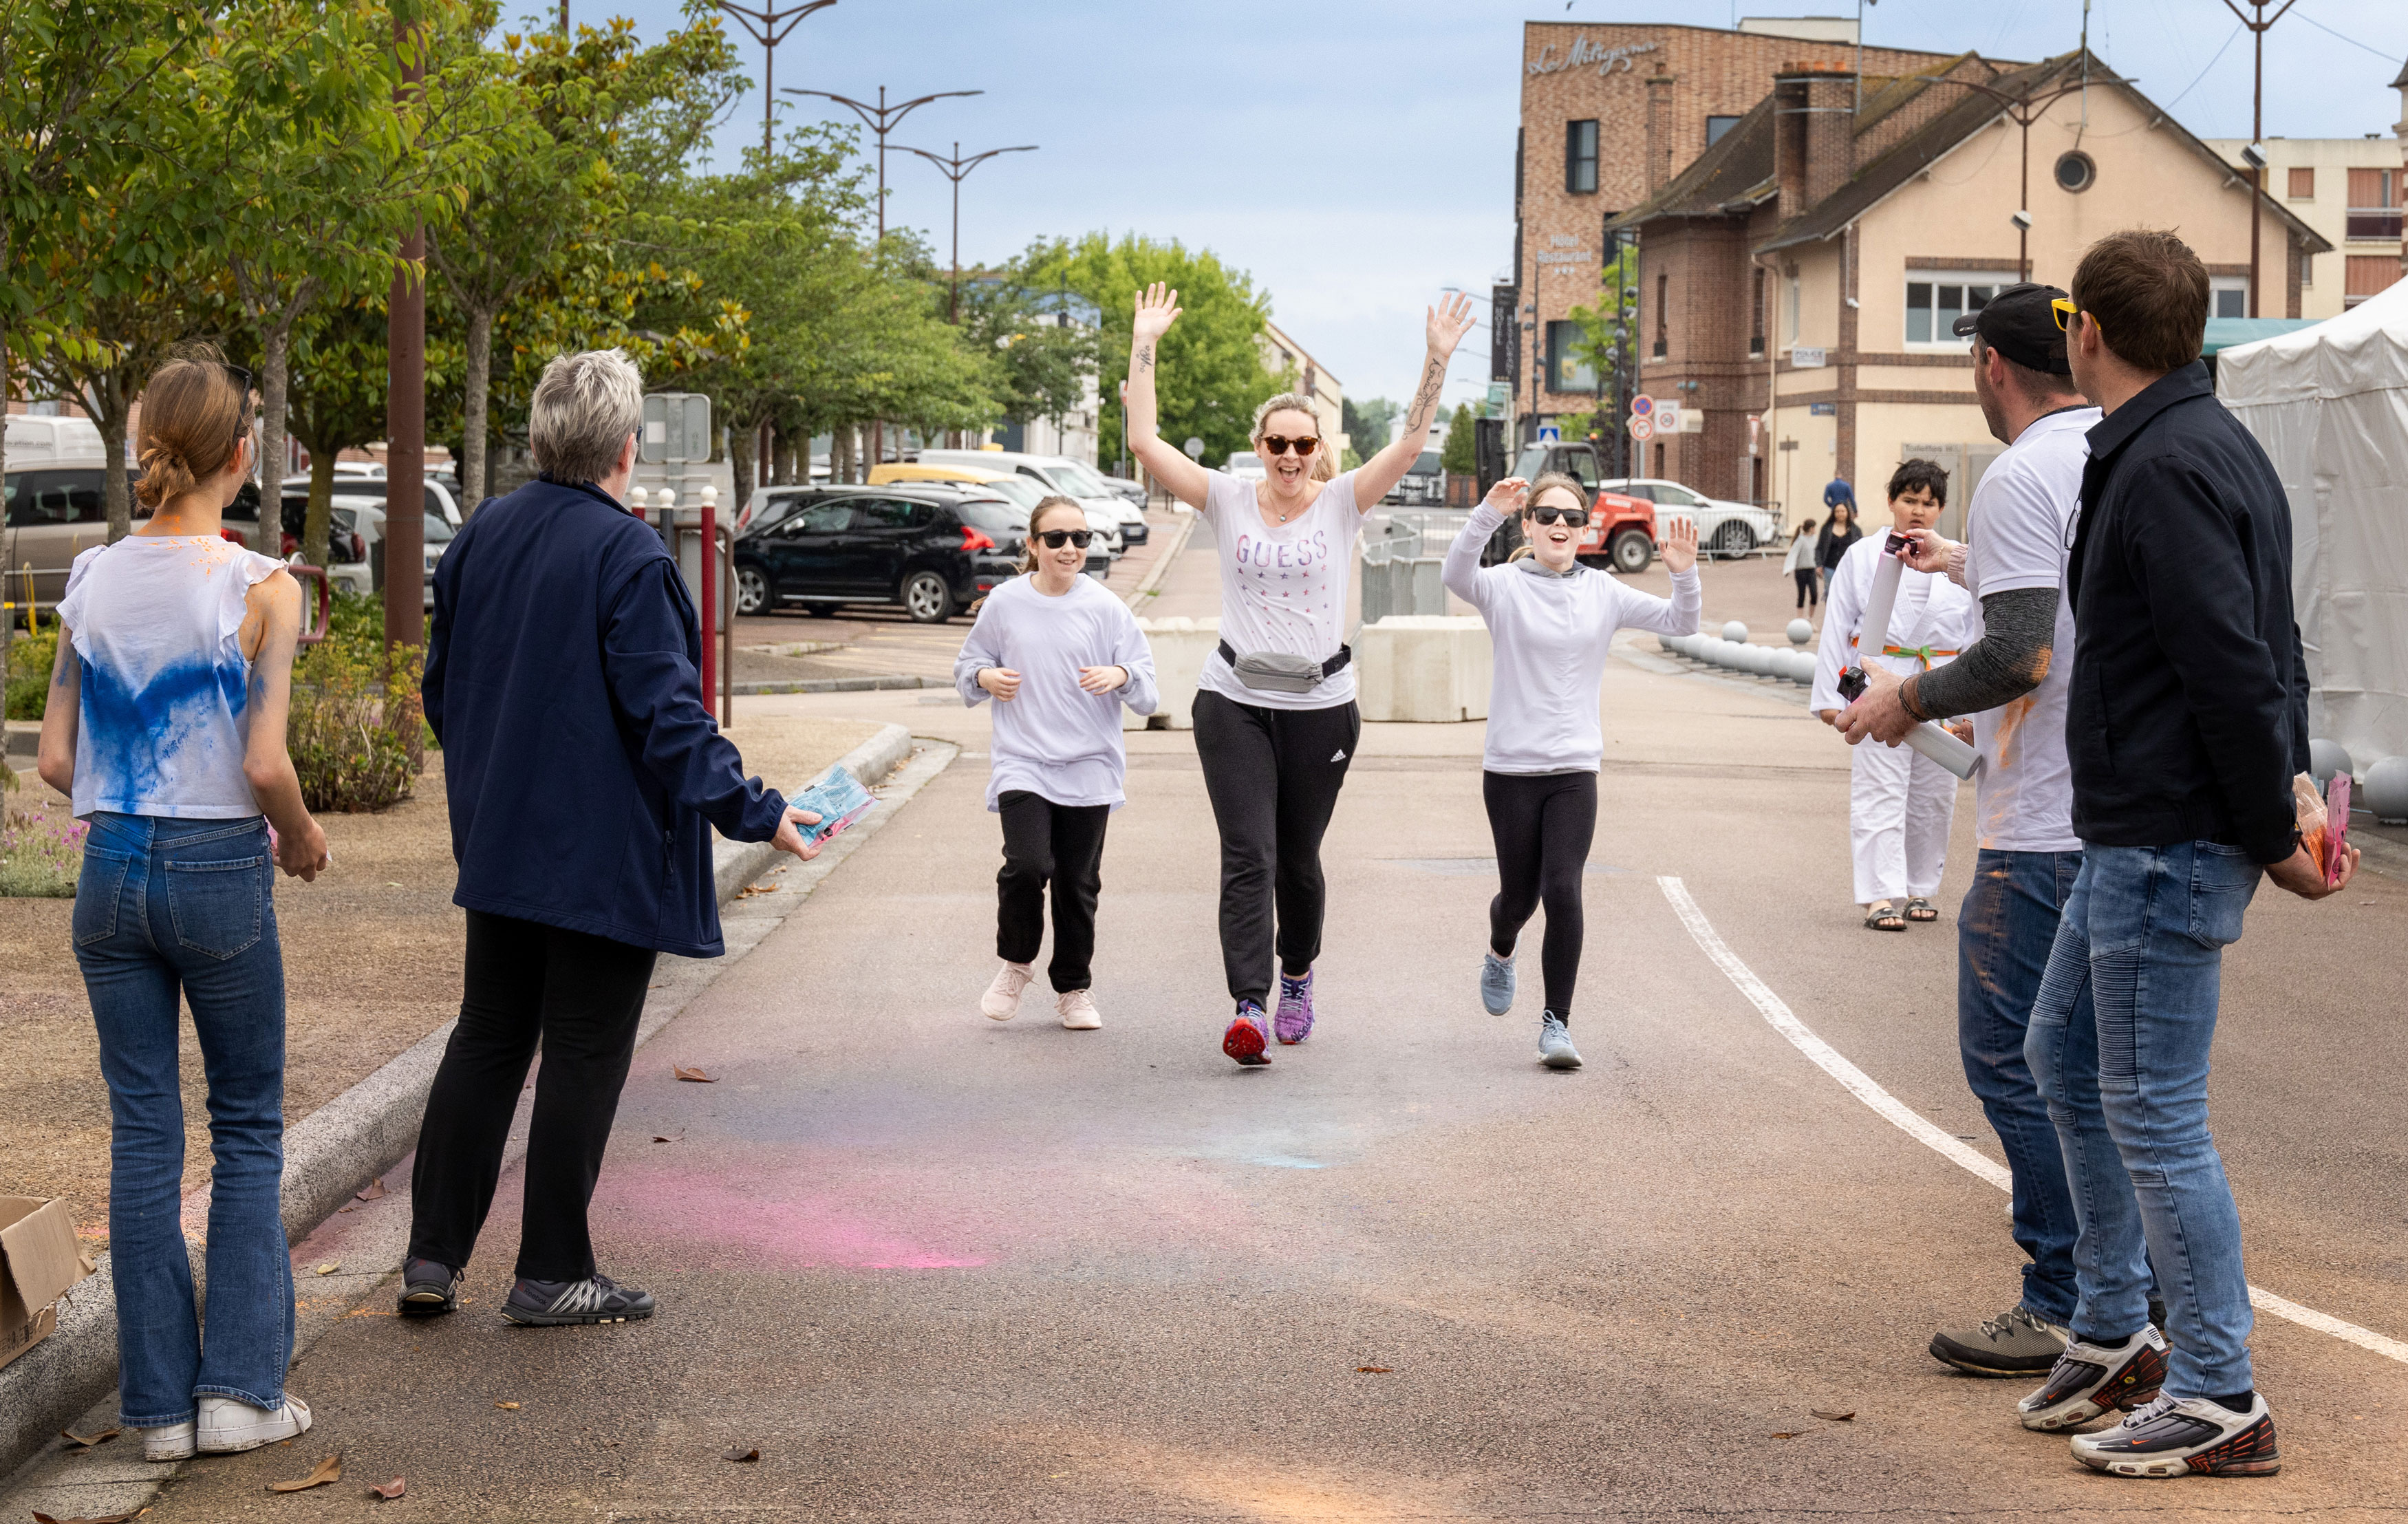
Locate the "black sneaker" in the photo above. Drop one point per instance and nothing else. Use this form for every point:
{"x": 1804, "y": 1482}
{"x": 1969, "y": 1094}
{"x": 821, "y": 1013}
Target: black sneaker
{"x": 2185, "y": 1436}
{"x": 429, "y": 1287}
{"x": 545, "y": 1304}
{"x": 2016, "y": 1343}
{"x": 2092, "y": 1379}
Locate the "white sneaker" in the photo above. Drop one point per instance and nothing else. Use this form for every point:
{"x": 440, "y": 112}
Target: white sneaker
{"x": 167, "y": 1441}
{"x": 229, "y": 1424}
{"x": 1077, "y": 1010}
{"x": 1002, "y": 998}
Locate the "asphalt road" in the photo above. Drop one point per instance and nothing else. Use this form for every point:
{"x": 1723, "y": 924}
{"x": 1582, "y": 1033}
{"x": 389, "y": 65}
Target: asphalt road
{"x": 936, "y": 1267}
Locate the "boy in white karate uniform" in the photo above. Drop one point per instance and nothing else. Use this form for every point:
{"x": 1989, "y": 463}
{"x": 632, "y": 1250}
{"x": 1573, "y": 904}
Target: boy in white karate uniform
{"x": 1899, "y": 802}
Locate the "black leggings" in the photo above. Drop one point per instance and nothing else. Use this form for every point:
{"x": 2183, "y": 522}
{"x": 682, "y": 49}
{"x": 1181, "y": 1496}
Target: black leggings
{"x": 1808, "y": 585}
{"x": 1273, "y": 775}
{"x": 1544, "y": 824}
{"x": 1063, "y": 843}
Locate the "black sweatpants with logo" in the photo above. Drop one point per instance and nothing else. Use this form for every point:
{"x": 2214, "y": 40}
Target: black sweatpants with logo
{"x": 1273, "y": 775}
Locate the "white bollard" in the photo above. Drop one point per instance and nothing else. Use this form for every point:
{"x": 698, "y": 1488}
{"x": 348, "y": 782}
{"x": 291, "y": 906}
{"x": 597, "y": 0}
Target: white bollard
{"x": 1735, "y": 632}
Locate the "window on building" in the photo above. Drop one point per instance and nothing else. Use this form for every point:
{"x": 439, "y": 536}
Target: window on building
{"x": 1580, "y": 156}
{"x": 1663, "y": 315}
{"x": 1716, "y": 126}
{"x": 2227, "y": 296}
{"x": 1659, "y": 460}
{"x": 1565, "y": 371}
{"x": 2307, "y": 271}
{"x": 2076, "y": 172}
{"x": 1789, "y": 323}
{"x": 2303, "y": 185}
{"x": 2366, "y": 275}
{"x": 2375, "y": 204}
{"x": 1756, "y": 322}
{"x": 1934, "y": 302}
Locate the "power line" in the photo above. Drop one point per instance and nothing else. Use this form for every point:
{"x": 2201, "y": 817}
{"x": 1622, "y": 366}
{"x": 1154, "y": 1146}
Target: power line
{"x": 2351, "y": 41}
{"x": 2211, "y": 65}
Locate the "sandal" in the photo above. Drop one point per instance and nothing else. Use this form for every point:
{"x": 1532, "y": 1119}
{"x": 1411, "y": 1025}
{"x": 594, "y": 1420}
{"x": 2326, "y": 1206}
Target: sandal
{"x": 1920, "y": 909}
{"x": 1883, "y": 918}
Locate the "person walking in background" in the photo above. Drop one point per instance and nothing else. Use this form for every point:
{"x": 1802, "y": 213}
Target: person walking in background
{"x": 1837, "y": 493}
{"x": 1899, "y": 802}
{"x": 1060, "y": 657}
{"x": 584, "y": 775}
{"x": 2013, "y": 679}
{"x": 165, "y": 725}
{"x": 1801, "y": 566}
{"x": 1551, "y": 620}
{"x": 1840, "y": 533}
{"x": 2187, "y": 721}
{"x": 1276, "y": 722}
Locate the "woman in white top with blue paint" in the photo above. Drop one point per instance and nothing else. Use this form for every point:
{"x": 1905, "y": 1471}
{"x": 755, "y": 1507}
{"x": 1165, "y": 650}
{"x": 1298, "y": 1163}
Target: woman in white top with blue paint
{"x": 166, "y": 722}
{"x": 1060, "y": 657}
{"x": 1551, "y": 620}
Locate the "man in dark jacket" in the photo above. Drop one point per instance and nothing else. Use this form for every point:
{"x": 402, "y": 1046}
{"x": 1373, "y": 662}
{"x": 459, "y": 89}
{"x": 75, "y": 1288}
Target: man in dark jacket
{"x": 584, "y": 776}
{"x": 2186, "y": 720}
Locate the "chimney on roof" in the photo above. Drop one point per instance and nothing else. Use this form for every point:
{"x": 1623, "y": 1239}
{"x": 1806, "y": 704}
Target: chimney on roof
{"x": 1813, "y": 134}
{"x": 1659, "y": 132}
{"x": 1789, "y": 121}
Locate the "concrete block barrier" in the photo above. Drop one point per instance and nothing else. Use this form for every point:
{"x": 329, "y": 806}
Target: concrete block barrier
{"x": 1423, "y": 669}
{"x": 1180, "y": 649}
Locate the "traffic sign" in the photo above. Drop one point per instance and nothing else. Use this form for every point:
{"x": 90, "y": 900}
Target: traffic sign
{"x": 1549, "y": 434}
{"x": 1643, "y": 428}
{"x": 1195, "y": 448}
{"x": 1642, "y": 406}
{"x": 1668, "y": 418}
{"x": 677, "y": 428}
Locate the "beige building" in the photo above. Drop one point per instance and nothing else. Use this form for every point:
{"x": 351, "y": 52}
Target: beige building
{"x": 1311, "y": 376}
{"x": 2352, "y": 190}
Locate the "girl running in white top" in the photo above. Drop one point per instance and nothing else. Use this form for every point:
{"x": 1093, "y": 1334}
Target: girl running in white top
{"x": 1060, "y": 657}
{"x": 1275, "y": 717}
{"x": 1551, "y": 620}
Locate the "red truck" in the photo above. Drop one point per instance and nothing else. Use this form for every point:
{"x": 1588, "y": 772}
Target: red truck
{"x": 1621, "y": 530}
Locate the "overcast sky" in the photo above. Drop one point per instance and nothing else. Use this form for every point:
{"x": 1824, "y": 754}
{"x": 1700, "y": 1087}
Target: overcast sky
{"x": 1357, "y": 155}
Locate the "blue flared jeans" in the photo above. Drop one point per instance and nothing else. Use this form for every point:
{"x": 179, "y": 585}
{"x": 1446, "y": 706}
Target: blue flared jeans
{"x": 2142, "y": 944}
{"x": 167, "y": 908}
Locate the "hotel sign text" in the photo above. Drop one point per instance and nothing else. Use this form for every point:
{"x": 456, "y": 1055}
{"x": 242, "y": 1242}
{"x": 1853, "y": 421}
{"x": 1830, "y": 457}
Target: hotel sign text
{"x": 1583, "y": 52}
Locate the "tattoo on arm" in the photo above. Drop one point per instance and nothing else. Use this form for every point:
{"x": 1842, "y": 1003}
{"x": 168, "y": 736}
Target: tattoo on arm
{"x": 1425, "y": 401}
{"x": 1146, "y": 357}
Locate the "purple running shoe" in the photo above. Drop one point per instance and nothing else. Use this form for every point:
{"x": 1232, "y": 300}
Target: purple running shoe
{"x": 1294, "y": 1021}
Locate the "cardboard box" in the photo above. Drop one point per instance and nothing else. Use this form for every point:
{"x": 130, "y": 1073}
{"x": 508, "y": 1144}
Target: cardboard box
{"x": 40, "y": 1261}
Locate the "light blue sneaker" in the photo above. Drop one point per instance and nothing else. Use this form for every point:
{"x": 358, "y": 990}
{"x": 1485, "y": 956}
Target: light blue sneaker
{"x": 1555, "y": 1048}
{"x": 1497, "y": 984}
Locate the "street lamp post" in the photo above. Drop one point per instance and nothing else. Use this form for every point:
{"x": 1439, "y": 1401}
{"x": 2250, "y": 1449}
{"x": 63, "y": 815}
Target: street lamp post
{"x": 767, "y": 24}
{"x": 881, "y": 119}
{"x": 2258, "y": 30}
{"x": 403, "y": 545}
{"x": 956, "y": 169}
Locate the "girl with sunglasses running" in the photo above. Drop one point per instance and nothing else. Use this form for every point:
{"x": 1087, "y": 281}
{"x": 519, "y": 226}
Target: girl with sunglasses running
{"x": 1551, "y": 620}
{"x": 1060, "y": 657}
{"x": 1275, "y": 717}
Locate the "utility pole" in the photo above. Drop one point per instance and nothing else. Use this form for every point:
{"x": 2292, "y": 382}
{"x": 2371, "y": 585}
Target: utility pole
{"x": 957, "y": 169}
{"x": 767, "y": 23}
{"x": 2257, "y": 29}
{"x": 2023, "y": 110}
{"x": 404, "y": 546}
{"x": 564, "y": 18}
{"x": 881, "y": 118}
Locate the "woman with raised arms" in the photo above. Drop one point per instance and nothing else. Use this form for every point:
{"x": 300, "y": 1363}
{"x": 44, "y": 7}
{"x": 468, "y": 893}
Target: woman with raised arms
{"x": 1551, "y": 620}
{"x": 1275, "y": 717}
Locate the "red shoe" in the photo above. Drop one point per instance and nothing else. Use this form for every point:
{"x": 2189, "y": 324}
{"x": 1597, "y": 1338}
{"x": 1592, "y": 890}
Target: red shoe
{"x": 1243, "y": 1040}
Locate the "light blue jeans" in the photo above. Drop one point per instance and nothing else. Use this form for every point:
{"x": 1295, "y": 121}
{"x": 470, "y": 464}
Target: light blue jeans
{"x": 2143, "y": 936}
{"x": 168, "y": 906}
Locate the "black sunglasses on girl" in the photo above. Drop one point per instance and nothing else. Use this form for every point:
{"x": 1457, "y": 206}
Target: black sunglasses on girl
{"x": 1279, "y": 444}
{"x": 1055, "y": 539}
{"x": 1576, "y": 517}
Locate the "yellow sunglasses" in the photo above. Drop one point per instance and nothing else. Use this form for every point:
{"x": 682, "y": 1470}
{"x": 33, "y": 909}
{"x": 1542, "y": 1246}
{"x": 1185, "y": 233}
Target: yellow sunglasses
{"x": 2063, "y": 309}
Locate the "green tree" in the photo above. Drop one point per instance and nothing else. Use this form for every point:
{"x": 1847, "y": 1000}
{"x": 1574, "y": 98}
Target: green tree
{"x": 1600, "y": 327}
{"x": 339, "y": 384}
{"x": 1458, "y": 456}
{"x": 1043, "y": 364}
{"x": 1367, "y": 424}
{"x": 1212, "y": 372}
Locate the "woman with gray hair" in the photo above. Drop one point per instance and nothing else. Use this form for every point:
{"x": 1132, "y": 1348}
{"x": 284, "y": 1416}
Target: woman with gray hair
{"x": 1275, "y": 715}
{"x": 584, "y": 774}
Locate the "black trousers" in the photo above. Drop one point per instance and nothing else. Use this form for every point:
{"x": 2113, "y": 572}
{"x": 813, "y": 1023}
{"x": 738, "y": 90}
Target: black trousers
{"x": 1808, "y": 584}
{"x": 1544, "y": 824}
{"x": 1273, "y": 775}
{"x": 1063, "y": 844}
{"x": 581, "y": 996}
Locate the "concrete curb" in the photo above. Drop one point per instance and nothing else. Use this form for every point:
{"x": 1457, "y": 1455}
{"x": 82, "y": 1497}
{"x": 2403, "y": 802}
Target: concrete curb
{"x": 1169, "y": 553}
{"x": 837, "y": 684}
{"x": 333, "y": 1152}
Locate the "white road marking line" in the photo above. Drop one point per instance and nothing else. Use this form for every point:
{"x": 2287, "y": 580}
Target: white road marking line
{"x": 1907, "y": 1120}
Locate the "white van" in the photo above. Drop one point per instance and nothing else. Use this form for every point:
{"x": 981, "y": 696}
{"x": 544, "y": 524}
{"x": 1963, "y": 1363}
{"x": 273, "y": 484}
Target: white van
{"x": 56, "y": 509}
{"x": 1104, "y": 505}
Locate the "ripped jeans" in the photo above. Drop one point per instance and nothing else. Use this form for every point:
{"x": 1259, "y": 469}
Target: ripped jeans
{"x": 2144, "y": 935}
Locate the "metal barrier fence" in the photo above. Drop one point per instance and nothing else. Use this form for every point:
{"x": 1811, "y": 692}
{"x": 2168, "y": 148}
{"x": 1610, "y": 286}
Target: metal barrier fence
{"x": 1401, "y": 568}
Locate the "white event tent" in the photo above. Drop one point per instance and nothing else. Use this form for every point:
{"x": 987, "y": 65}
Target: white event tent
{"x": 2329, "y": 404}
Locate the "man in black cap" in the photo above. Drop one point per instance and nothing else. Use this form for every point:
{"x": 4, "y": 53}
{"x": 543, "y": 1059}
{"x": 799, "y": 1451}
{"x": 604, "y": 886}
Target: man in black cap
{"x": 2014, "y": 681}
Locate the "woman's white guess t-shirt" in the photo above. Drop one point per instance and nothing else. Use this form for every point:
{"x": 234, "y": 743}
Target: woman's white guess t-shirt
{"x": 1283, "y": 588}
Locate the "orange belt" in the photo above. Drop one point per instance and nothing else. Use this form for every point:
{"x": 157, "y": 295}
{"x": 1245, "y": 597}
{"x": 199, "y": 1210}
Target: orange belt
{"x": 1923, "y": 653}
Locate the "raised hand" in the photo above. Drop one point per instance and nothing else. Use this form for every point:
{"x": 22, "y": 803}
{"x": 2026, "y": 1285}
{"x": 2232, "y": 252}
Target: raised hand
{"x": 1449, "y": 320}
{"x": 1681, "y": 545}
{"x": 1507, "y": 496}
{"x": 1157, "y": 307}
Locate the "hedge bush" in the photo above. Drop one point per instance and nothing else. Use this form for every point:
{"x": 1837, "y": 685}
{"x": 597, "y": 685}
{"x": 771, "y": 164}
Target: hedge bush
{"x": 357, "y": 734}
{"x": 41, "y": 850}
{"x": 28, "y": 672}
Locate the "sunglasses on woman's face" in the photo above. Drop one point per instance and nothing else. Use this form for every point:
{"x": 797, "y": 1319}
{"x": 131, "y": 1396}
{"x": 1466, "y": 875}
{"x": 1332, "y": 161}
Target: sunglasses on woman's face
{"x": 1055, "y": 539}
{"x": 1576, "y": 517}
{"x": 1275, "y": 444}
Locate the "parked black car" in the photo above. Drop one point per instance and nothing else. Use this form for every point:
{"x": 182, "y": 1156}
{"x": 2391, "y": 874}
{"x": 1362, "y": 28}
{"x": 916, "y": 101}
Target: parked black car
{"x": 932, "y": 549}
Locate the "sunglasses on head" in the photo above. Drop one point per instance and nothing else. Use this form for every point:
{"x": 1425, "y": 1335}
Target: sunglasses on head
{"x": 1275, "y": 444}
{"x": 1576, "y": 517}
{"x": 1055, "y": 539}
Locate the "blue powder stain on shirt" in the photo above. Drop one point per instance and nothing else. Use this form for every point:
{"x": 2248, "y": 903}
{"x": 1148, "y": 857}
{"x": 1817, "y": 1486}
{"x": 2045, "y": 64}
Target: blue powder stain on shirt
{"x": 137, "y": 738}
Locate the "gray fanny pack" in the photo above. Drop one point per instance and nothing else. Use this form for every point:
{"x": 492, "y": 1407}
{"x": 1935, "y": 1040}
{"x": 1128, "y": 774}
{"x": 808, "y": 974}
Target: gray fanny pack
{"x": 1277, "y": 672}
